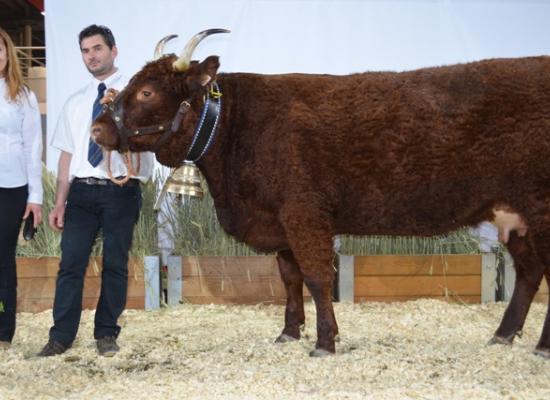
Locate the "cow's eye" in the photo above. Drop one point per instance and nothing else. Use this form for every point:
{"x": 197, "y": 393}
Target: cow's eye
{"x": 146, "y": 93}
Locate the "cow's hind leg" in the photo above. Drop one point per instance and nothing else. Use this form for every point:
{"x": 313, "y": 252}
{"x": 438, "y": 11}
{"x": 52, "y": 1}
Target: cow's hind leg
{"x": 529, "y": 271}
{"x": 310, "y": 238}
{"x": 543, "y": 347}
{"x": 294, "y": 285}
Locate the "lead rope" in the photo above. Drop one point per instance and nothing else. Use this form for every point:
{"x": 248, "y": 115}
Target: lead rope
{"x": 127, "y": 158}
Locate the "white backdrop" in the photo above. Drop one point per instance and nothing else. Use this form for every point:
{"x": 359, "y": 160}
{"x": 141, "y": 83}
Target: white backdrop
{"x": 279, "y": 36}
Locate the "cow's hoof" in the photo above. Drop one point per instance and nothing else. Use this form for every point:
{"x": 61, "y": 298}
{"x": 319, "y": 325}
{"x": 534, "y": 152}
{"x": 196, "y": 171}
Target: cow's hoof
{"x": 499, "y": 340}
{"x": 320, "y": 353}
{"x": 284, "y": 338}
{"x": 544, "y": 353}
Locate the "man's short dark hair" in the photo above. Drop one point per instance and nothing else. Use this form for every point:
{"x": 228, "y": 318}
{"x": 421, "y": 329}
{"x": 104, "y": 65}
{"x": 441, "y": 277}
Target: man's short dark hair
{"x": 97, "y": 30}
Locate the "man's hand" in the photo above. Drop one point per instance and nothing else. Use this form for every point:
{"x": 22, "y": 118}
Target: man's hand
{"x": 57, "y": 218}
{"x": 109, "y": 96}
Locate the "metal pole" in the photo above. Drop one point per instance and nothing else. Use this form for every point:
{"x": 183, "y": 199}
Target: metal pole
{"x": 28, "y": 43}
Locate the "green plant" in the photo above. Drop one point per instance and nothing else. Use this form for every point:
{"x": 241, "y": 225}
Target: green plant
{"x": 457, "y": 242}
{"x": 193, "y": 227}
{"x": 144, "y": 242}
{"x": 46, "y": 242}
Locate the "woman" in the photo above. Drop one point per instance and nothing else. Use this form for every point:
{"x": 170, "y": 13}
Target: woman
{"x": 20, "y": 175}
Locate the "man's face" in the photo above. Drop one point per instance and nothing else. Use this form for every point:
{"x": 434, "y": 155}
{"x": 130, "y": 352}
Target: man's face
{"x": 97, "y": 56}
{"x": 3, "y": 58}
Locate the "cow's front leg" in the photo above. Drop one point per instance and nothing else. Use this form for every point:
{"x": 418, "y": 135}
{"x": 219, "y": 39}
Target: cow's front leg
{"x": 529, "y": 272}
{"x": 294, "y": 285}
{"x": 309, "y": 235}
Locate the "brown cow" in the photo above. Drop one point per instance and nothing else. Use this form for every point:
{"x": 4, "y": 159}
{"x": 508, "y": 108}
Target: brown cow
{"x": 298, "y": 158}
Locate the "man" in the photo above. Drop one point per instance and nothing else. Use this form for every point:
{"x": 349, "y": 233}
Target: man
{"x": 87, "y": 202}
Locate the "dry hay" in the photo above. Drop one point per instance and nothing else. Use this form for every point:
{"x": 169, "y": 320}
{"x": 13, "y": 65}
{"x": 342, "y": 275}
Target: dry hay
{"x": 425, "y": 349}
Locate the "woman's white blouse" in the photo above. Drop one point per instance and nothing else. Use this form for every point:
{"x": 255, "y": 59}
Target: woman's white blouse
{"x": 20, "y": 143}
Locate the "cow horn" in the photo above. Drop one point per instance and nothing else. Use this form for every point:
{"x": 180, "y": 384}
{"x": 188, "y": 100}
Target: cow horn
{"x": 159, "y": 48}
{"x": 182, "y": 63}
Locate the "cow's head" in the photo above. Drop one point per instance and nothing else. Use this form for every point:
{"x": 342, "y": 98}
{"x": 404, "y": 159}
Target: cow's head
{"x": 161, "y": 105}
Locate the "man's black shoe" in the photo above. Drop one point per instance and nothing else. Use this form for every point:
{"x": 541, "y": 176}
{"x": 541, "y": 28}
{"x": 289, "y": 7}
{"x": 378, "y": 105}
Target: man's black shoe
{"x": 53, "y": 348}
{"x": 106, "y": 346}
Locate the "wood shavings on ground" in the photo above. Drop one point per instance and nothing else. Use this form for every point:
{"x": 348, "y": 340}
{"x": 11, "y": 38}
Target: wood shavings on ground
{"x": 424, "y": 349}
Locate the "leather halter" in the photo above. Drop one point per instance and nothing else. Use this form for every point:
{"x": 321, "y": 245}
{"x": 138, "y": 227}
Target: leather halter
{"x": 117, "y": 115}
{"x": 204, "y": 132}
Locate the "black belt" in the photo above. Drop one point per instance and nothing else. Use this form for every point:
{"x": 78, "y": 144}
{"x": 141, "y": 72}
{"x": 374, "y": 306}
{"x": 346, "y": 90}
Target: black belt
{"x": 90, "y": 180}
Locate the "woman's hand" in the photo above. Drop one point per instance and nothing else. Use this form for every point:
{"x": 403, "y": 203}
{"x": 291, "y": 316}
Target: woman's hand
{"x": 36, "y": 209}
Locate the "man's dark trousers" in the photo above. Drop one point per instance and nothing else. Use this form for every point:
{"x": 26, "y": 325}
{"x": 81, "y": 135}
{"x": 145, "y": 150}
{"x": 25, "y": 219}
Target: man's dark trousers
{"x": 90, "y": 208}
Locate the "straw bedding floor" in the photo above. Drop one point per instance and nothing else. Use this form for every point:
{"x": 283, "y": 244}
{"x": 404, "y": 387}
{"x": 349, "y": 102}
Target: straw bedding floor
{"x": 424, "y": 349}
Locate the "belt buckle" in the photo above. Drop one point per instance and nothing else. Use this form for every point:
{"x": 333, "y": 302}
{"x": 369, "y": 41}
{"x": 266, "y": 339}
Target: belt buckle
{"x": 89, "y": 180}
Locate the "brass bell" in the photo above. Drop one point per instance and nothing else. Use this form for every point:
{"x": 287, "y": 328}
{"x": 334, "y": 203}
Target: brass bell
{"x": 184, "y": 180}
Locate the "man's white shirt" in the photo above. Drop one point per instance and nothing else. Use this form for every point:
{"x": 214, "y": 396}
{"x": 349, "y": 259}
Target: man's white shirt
{"x": 72, "y": 135}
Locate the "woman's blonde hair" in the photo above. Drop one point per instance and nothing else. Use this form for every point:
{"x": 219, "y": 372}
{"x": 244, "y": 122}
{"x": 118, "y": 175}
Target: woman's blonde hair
{"x": 12, "y": 73}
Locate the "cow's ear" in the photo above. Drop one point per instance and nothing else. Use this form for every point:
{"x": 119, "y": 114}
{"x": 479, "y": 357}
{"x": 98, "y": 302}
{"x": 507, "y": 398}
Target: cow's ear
{"x": 203, "y": 73}
{"x": 210, "y": 66}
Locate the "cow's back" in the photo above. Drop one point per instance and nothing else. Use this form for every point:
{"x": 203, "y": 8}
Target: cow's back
{"x": 386, "y": 150}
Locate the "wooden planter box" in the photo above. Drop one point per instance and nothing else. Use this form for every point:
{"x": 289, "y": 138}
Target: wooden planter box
{"x": 37, "y": 276}
{"x": 391, "y": 278}
{"x": 463, "y": 278}
{"x": 225, "y": 280}
{"x": 255, "y": 279}
{"x": 250, "y": 280}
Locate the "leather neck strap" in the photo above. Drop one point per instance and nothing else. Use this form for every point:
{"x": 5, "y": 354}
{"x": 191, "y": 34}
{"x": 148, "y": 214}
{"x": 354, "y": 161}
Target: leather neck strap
{"x": 205, "y": 131}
